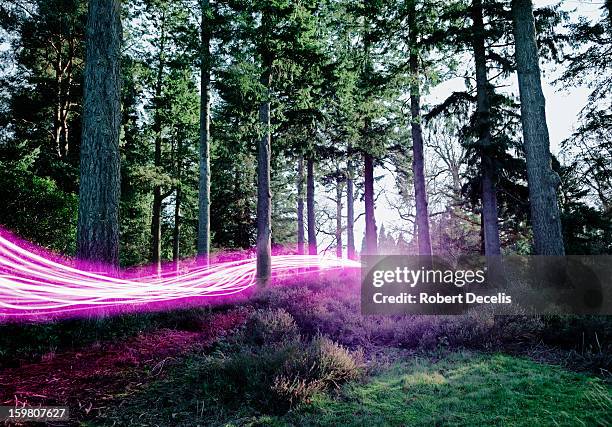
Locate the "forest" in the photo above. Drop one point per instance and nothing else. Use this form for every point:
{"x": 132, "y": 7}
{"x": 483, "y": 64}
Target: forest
{"x": 162, "y": 132}
{"x": 327, "y": 98}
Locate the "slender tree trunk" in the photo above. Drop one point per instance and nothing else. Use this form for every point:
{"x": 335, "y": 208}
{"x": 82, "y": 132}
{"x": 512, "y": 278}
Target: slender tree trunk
{"x": 339, "y": 216}
{"x": 542, "y": 180}
{"x": 418, "y": 160}
{"x": 489, "y": 207}
{"x": 158, "y": 197}
{"x": 608, "y": 7}
{"x": 178, "y": 196}
{"x": 300, "y": 206}
{"x": 264, "y": 193}
{"x": 156, "y": 227}
{"x": 99, "y": 190}
{"x": 176, "y": 235}
{"x": 204, "y": 183}
{"x": 310, "y": 205}
{"x": 489, "y": 189}
{"x": 350, "y": 211}
{"x": 371, "y": 245}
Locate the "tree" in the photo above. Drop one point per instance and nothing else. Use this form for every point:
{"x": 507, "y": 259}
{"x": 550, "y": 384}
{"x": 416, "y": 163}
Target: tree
{"x": 350, "y": 209}
{"x": 205, "y": 82}
{"x": 586, "y": 58}
{"x": 492, "y": 243}
{"x": 300, "y": 206}
{"x": 543, "y": 181}
{"x": 339, "y": 185}
{"x": 310, "y": 207}
{"x": 99, "y": 191}
{"x": 418, "y": 162}
{"x": 158, "y": 194}
{"x": 41, "y": 92}
{"x": 489, "y": 135}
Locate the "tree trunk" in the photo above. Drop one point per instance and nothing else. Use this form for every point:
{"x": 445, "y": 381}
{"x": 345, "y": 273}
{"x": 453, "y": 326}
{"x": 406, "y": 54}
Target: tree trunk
{"x": 204, "y": 183}
{"x": 418, "y": 161}
{"x": 370, "y": 220}
{"x": 350, "y": 210}
{"x": 300, "y": 206}
{"x": 339, "y": 216}
{"x": 176, "y": 235}
{"x": 158, "y": 198}
{"x": 99, "y": 190}
{"x": 156, "y": 228}
{"x": 608, "y": 7}
{"x": 488, "y": 179}
{"x": 264, "y": 193}
{"x": 178, "y": 195}
{"x": 492, "y": 244}
{"x": 542, "y": 180}
{"x": 310, "y": 205}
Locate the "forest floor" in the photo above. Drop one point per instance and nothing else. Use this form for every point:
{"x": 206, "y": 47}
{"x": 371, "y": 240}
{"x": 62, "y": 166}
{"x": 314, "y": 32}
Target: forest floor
{"x": 304, "y": 355}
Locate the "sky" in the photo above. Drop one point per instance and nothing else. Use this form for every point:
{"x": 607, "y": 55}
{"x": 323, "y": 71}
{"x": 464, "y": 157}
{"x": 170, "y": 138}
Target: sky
{"x": 563, "y": 104}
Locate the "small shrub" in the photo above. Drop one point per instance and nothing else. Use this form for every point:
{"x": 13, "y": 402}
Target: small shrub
{"x": 266, "y": 327}
{"x": 273, "y": 368}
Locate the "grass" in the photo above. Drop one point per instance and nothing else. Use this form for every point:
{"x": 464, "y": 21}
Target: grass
{"x": 306, "y": 356}
{"x": 464, "y": 389}
{"x": 458, "y": 389}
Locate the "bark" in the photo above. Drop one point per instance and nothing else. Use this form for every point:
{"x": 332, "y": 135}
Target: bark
{"x": 264, "y": 193}
{"x": 204, "y": 182}
{"x": 156, "y": 227}
{"x": 492, "y": 244}
{"x": 310, "y": 205}
{"x": 158, "y": 197}
{"x": 488, "y": 179}
{"x": 176, "y": 234}
{"x": 418, "y": 161}
{"x": 608, "y": 7}
{"x": 542, "y": 180}
{"x": 99, "y": 190}
{"x": 370, "y": 220}
{"x": 350, "y": 211}
{"x": 339, "y": 217}
{"x": 300, "y": 206}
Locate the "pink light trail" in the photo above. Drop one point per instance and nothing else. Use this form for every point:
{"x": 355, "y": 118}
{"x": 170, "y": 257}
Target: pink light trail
{"x": 36, "y": 285}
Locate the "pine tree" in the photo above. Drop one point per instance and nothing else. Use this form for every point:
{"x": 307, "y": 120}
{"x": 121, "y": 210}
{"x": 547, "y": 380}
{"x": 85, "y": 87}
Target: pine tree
{"x": 98, "y": 226}
{"x": 418, "y": 162}
{"x": 205, "y": 93}
{"x": 492, "y": 245}
{"x": 543, "y": 181}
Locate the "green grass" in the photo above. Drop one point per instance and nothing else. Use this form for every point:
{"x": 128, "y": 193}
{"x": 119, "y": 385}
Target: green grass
{"x": 465, "y": 389}
{"x": 460, "y": 389}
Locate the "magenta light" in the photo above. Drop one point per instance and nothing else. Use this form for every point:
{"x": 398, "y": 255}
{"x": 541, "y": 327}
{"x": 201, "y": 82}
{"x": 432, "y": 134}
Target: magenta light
{"x": 37, "y": 285}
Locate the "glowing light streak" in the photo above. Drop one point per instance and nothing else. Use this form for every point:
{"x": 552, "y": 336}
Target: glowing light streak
{"x": 35, "y": 284}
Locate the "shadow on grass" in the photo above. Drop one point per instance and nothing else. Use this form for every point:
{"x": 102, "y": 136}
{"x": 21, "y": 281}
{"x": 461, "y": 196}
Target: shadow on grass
{"x": 460, "y": 388}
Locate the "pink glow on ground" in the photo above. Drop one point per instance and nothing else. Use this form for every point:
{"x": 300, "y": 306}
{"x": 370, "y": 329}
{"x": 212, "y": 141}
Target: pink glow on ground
{"x": 38, "y": 285}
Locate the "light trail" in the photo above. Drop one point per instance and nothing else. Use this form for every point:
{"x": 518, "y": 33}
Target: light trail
{"x": 36, "y": 285}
